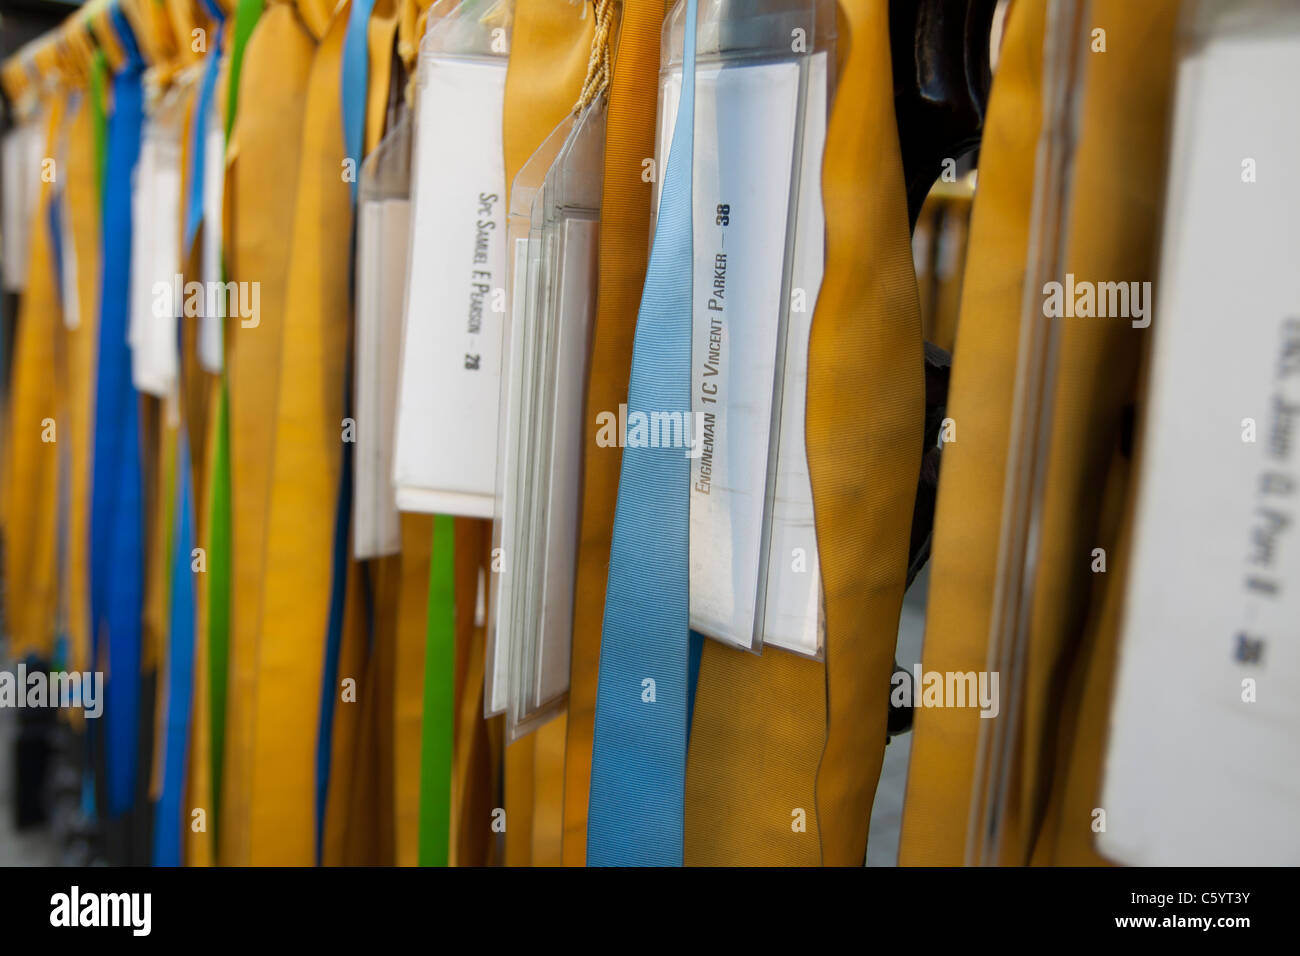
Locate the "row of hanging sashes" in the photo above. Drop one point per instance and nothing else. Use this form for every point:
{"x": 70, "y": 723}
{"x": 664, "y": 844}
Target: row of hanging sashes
{"x": 250, "y": 746}
{"x": 403, "y": 431}
{"x": 793, "y": 737}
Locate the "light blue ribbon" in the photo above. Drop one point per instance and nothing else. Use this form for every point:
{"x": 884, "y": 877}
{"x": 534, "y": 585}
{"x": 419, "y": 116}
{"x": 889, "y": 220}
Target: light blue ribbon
{"x": 638, "y": 768}
{"x": 356, "y": 68}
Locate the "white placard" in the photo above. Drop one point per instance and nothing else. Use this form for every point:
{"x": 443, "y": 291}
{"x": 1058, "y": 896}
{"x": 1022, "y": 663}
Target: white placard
{"x": 445, "y": 459}
{"x": 1196, "y": 772}
{"x": 155, "y": 262}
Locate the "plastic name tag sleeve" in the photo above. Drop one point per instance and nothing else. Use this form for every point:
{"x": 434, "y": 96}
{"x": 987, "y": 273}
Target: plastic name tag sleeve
{"x": 1201, "y": 761}
{"x": 567, "y": 209}
{"x": 450, "y": 383}
{"x": 155, "y": 251}
{"x": 210, "y": 346}
{"x": 68, "y": 252}
{"x": 383, "y": 234}
{"x": 24, "y": 148}
{"x": 554, "y": 230}
{"x": 792, "y": 598}
{"x": 760, "y": 129}
{"x": 518, "y": 365}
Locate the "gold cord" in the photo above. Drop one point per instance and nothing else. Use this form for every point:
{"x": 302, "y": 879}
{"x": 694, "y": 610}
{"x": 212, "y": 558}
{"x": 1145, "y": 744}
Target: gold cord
{"x": 597, "y": 80}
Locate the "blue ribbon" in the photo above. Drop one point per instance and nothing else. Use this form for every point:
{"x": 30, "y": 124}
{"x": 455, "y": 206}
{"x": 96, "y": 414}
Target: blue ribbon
{"x": 54, "y": 213}
{"x": 198, "y": 140}
{"x": 356, "y": 68}
{"x": 354, "y": 79}
{"x": 169, "y": 816}
{"x": 117, "y": 512}
{"x": 57, "y": 240}
{"x": 638, "y": 768}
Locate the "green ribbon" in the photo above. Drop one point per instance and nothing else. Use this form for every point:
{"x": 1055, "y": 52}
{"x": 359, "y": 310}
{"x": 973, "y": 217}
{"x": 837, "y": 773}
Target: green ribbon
{"x": 98, "y": 102}
{"x": 439, "y": 698}
{"x": 219, "y": 534}
{"x": 246, "y": 16}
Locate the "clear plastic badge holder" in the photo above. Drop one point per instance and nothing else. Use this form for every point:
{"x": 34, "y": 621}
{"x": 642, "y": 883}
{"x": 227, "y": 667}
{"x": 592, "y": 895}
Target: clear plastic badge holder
{"x": 444, "y": 458}
{"x": 23, "y": 150}
{"x": 997, "y": 752}
{"x": 383, "y": 242}
{"x": 210, "y": 345}
{"x": 764, "y": 73}
{"x": 68, "y": 278}
{"x": 568, "y": 208}
{"x": 517, "y": 370}
{"x": 554, "y": 235}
